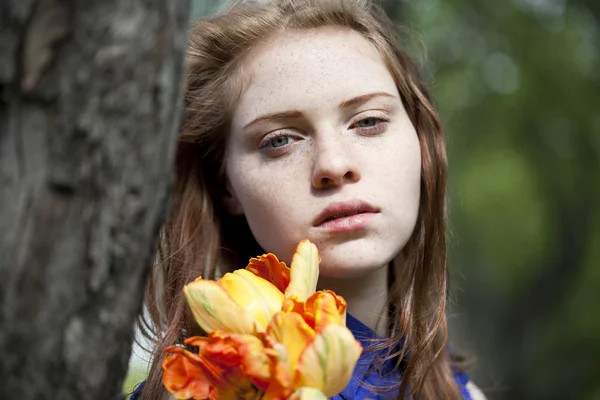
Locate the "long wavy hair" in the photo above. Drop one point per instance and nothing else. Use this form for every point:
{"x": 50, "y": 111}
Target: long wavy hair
{"x": 201, "y": 238}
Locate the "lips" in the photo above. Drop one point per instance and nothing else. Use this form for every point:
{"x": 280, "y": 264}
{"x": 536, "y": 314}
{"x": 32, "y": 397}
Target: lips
{"x": 344, "y": 209}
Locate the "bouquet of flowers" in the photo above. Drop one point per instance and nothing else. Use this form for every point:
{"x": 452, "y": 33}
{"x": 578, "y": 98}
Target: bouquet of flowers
{"x": 271, "y": 335}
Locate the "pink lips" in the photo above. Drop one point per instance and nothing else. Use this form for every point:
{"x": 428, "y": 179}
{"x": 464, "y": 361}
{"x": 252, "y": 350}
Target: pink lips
{"x": 346, "y": 216}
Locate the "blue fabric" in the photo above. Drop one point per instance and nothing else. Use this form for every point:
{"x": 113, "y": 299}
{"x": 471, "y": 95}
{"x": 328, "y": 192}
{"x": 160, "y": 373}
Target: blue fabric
{"x": 137, "y": 391}
{"x": 356, "y": 390}
{"x": 362, "y": 377}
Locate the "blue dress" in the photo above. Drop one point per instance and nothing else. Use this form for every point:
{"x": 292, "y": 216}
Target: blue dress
{"x": 388, "y": 376}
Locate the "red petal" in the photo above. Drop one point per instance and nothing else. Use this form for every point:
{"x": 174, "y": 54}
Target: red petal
{"x": 239, "y": 354}
{"x": 270, "y": 268}
{"x": 184, "y": 376}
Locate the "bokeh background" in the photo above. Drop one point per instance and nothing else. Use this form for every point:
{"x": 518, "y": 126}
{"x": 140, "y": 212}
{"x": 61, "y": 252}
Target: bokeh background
{"x": 517, "y": 83}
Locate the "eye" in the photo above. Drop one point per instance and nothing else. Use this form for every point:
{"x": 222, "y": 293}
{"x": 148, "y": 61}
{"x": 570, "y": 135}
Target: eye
{"x": 368, "y": 122}
{"x": 278, "y": 141}
{"x": 370, "y": 125}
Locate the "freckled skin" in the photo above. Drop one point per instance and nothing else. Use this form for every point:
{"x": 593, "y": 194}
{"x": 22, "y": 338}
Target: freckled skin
{"x": 325, "y": 157}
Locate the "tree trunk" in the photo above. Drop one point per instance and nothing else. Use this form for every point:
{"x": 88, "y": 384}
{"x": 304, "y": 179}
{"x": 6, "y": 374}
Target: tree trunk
{"x": 90, "y": 105}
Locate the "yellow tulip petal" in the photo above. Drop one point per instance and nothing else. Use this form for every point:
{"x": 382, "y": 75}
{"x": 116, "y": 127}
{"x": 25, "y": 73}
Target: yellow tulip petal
{"x": 259, "y": 297}
{"x": 293, "y": 333}
{"x": 304, "y": 271}
{"x": 214, "y": 309}
{"x": 327, "y": 308}
{"x": 270, "y": 268}
{"x": 328, "y": 362}
{"x": 306, "y": 393}
{"x": 292, "y": 304}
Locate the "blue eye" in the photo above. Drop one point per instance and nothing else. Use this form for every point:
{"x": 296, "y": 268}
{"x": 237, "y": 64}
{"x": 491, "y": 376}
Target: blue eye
{"x": 279, "y": 141}
{"x": 369, "y": 122}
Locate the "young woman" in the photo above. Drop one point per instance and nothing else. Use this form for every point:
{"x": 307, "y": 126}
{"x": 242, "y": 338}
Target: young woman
{"x": 306, "y": 120}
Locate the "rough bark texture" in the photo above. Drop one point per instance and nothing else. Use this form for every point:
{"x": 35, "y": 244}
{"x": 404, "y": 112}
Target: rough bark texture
{"x": 90, "y": 103}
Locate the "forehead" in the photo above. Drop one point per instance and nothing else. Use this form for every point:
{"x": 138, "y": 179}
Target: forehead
{"x": 297, "y": 70}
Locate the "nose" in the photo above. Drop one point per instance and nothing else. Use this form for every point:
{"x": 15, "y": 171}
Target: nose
{"x": 334, "y": 164}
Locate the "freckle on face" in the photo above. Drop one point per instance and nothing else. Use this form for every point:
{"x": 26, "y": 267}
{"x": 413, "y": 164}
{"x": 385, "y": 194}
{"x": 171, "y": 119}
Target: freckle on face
{"x": 313, "y": 72}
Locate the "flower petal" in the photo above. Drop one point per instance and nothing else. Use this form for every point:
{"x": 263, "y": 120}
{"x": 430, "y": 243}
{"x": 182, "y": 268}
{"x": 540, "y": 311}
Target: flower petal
{"x": 244, "y": 352}
{"x": 270, "y": 268}
{"x": 304, "y": 271}
{"x": 231, "y": 362}
{"x": 327, "y": 364}
{"x": 293, "y": 305}
{"x": 280, "y": 386}
{"x": 244, "y": 391}
{"x": 327, "y": 308}
{"x": 214, "y": 309}
{"x": 293, "y": 333}
{"x": 185, "y": 375}
{"x": 306, "y": 393}
{"x": 256, "y": 295}
{"x": 197, "y": 341}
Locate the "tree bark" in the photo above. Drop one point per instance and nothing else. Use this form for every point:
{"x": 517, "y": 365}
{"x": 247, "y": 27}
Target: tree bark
{"x": 90, "y": 105}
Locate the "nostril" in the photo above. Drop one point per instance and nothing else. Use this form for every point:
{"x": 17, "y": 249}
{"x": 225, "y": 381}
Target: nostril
{"x": 326, "y": 181}
{"x": 349, "y": 176}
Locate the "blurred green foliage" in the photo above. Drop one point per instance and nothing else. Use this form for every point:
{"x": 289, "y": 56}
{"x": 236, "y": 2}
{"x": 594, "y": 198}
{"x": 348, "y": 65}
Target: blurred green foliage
{"x": 517, "y": 84}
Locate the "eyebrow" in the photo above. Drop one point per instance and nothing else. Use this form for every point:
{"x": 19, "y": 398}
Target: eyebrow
{"x": 358, "y": 100}
{"x": 353, "y": 102}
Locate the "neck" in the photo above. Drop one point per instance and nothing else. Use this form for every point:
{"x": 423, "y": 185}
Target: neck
{"x": 365, "y": 296}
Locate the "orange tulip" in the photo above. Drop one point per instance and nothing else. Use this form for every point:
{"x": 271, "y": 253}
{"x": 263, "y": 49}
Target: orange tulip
{"x": 272, "y": 336}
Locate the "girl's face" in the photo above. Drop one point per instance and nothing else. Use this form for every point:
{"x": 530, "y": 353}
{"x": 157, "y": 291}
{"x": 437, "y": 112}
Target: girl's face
{"x": 321, "y": 133}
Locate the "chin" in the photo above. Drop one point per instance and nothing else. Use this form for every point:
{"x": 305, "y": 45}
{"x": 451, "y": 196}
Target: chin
{"x": 351, "y": 262}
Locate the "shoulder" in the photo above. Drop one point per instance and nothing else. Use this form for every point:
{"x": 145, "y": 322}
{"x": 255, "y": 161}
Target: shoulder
{"x": 475, "y": 392}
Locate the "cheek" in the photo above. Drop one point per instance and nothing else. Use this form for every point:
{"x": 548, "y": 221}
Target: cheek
{"x": 264, "y": 193}
{"x": 399, "y": 165}
{"x": 254, "y": 192}
{"x": 261, "y": 186}
{"x": 273, "y": 186}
